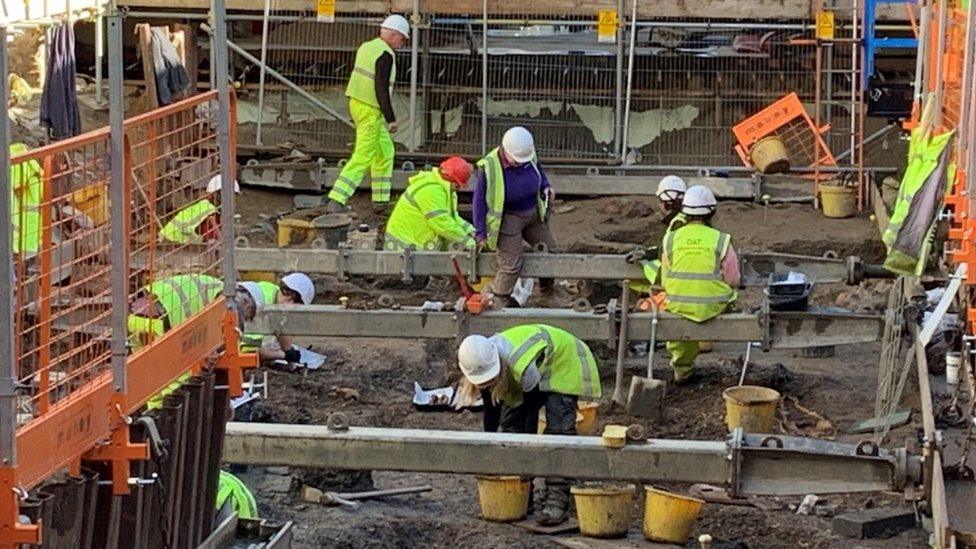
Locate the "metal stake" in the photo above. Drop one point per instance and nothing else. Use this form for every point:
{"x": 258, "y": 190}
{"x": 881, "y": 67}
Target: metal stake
{"x": 263, "y": 65}
{"x": 484, "y": 77}
{"x": 618, "y": 111}
{"x": 618, "y": 386}
{"x": 99, "y": 52}
{"x": 117, "y": 192}
{"x": 630, "y": 82}
{"x": 8, "y": 377}
{"x": 414, "y": 50}
{"x": 229, "y": 272}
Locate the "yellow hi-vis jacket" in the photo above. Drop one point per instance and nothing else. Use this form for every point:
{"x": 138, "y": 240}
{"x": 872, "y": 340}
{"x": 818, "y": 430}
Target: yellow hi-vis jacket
{"x": 426, "y": 216}
{"x": 692, "y": 272}
{"x": 182, "y": 229}
{"x": 27, "y": 194}
{"x": 495, "y": 195}
{"x": 362, "y": 81}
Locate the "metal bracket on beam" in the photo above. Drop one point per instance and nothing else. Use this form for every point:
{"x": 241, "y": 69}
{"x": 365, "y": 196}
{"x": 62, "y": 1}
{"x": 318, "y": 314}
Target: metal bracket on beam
{"x": 406, "y": 275}
{"x": 342, "y": 260}
{"x": 735, "y": 462}
{"x": 473, "y": 268}
{"x": 764, "y": 321}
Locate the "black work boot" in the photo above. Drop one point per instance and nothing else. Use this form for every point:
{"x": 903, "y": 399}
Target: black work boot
{"x": 555, "y": 509}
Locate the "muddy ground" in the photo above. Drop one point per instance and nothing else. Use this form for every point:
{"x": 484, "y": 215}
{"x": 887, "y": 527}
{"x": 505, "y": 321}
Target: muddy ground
{"x": 371, "y": 381}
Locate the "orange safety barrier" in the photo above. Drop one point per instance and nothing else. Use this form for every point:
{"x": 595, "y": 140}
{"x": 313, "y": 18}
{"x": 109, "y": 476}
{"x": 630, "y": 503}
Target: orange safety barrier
{"x": 788, "y": 120}
{"x": 69, "y": 409}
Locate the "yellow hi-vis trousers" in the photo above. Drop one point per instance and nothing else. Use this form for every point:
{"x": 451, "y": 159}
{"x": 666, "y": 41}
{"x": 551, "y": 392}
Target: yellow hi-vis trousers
{"x": 373, "y": 151}
{"x": 683, "y": 354}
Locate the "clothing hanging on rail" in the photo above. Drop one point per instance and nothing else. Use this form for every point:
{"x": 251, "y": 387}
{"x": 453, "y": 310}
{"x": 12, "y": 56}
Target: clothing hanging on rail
{"x": 59, "y": 100}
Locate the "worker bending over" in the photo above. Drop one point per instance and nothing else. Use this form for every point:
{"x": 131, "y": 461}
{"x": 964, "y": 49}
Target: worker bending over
{"x": 700, "y": 271}
{"x": 511, "y": 204}
{"x": 199, "y": 221}
{"x": 426, "y": 215}
{"x": 369, "y": 91}
{"x": 295, "y": 289}
{"x": 524, "y": 369}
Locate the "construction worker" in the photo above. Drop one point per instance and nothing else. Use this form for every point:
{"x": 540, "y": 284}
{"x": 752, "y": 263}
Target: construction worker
{"x": 426, "y": 215}
{"x": 198, "y": 221}
{"x": 369, "y": 91}
{"x": 524, "y": 369}
{"x": 670, "y": 190}
{"x": 700, "y": 271}
{"x": 511, "y": 204}
{"x": 234, "y": 497}
{"x": 295, "y": 288}
{"x": 27, "y": 193}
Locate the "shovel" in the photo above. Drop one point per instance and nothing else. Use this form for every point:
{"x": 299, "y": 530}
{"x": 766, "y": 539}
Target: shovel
{"x": 646, "y": 394}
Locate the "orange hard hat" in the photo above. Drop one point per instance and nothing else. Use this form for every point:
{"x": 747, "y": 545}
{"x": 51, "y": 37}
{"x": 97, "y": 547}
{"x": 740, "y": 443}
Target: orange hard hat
{"x": 456, "y": 170}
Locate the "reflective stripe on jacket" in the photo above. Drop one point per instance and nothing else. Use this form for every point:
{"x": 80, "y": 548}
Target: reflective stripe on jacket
{"x": 565, "y": 363}
{"x": 426, "y": 216}
{"x": 692, "y": 272}
{"x": 362, "y": 81}
{"x": 241, "y": 498}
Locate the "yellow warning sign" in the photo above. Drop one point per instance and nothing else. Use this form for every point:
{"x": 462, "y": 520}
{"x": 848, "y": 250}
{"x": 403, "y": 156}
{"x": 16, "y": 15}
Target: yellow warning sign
{"x": 607, "y": 28}
{"x": 325, "y": 11}
{"x": 825, "y": 25}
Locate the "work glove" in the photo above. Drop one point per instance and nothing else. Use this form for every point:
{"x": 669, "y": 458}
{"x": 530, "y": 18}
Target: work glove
{"x": 293, "y": 356}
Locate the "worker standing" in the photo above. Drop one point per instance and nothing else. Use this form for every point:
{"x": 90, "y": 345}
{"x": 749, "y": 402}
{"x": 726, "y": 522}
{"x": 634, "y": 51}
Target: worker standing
{"x": 511, "y": 204}
{"x": 700, "y": 271}
{"x": 426, "y": 215}
{"x": 295, "y": 288}
{"x": 370, "y": 92}
{"x": 199, "y": 221}
{"x": 524, "y": 369}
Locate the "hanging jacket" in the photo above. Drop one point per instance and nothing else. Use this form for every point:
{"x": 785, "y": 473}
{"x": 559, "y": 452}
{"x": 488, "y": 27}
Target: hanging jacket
{"x": 242, "y": 500}
{"x": 426, "y": 216}
{"x": 566, "y": 365}
{"x": 692, "y": 272}
{"x": 182, "y": 229}
{"x": 27, "y": 194}
{"x": 495, "y": 195}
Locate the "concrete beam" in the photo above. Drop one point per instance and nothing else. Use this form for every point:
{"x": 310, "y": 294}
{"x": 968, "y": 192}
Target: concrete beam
{"x": 747, "y": 464}
{"x": 755, "y": 266}
{"x": 786, "y": 330}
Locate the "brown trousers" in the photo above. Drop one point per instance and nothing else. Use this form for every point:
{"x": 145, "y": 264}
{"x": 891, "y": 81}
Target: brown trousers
{"x": 516, "y": 227}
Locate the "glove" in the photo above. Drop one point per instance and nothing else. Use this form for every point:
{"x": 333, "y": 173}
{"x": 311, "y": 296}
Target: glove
{"x": 293, "y": 356}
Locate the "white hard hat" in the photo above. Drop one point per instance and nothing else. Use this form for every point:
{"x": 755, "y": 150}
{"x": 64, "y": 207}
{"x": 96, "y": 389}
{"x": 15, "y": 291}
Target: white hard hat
{"x": 478, "y": 359}
{"x": 254, "y": 290}
{"x": 519, "y": 145}
{"x": 301, "y": 283}
{"x": 214, "y": 185}
{"x": 670, "y": 188}
{"x": 398, "y": 23}
{"x": 698, "y": 201}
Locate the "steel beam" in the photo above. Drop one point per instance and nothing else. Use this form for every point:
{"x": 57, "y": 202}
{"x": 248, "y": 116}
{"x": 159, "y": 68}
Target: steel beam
{"x": 314, "y": 176}
{"x": 746, "y": 464}
{"x": 779, "y": 330}
{"x": 755, "y": 266}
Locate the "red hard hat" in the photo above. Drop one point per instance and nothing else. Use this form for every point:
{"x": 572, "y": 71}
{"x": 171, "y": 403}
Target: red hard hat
{"x": 456, "y": 170}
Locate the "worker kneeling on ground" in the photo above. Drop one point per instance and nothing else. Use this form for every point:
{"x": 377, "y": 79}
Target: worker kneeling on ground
{"x": 198, "y": 222}
{"x": 700, "y": 271}
{"x": 295, "y": 289}
{"x": 511, "y": 204}
{"x": 522, "y": 370}
{"x": 234, "y": 497}
{"x": 426, "y": 215}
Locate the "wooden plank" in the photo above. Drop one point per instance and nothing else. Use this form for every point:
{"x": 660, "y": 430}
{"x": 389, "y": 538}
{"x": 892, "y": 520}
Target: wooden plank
{"x": 191, "y": 53}
{"x": 866, "y": 426}
{"x": 144, "y": 34}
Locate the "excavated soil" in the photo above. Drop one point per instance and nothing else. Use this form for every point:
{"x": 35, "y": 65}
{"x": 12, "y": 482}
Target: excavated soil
{"x": 371, "y": 382}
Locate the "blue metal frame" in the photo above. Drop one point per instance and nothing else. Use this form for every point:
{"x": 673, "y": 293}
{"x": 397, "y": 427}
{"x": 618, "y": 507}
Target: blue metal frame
{"x": 873, "y": 43}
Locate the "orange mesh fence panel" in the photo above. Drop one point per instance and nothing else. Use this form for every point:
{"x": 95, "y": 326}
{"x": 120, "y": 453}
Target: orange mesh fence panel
{"x": 62, "y": 211}
{"x": 788, "y": 120}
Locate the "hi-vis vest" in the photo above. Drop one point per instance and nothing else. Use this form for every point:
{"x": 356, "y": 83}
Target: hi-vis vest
{"x": 652, "y": 267}
{"x": 692, "y": 272}
{"x": 362, "y": 81}
{"x": 181, "y": 296}
{"x": 250, "y": 342}
{"x": 242, "y": 501}
{"x": 565, "y": 363}
{"x": 27, "y": 193}
{"x": 182, "y": 229}
{"x": 426, "y": 217}
{"x": 495, "y": 194}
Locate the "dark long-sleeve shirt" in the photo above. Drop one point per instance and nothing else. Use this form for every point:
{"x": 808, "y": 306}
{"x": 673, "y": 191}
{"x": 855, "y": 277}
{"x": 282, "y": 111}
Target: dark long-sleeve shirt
{"x": 522, "y": 185}
{"x": 384, "y": 66}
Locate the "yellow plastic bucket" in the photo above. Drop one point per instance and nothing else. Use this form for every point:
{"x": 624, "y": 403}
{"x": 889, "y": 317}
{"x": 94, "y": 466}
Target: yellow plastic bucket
{"x": 838, "y": 201}
{"x": 504, "y": 498}
{"x": 769, "y": 155}
{"x": 669, "y": 517}
{"x": 294, "y": 232}
{"x": 585, "y": 418}
{"x": 259, "y": 276}
{"x": 750, "y": 407}
{"x": 603, "y": 510}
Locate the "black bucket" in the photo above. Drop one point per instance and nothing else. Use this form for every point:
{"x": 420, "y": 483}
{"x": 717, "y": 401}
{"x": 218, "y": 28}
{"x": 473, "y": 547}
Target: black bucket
{"x": 334, "y": 227}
